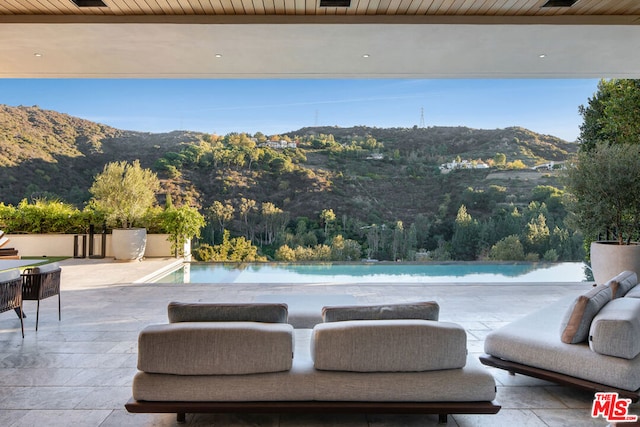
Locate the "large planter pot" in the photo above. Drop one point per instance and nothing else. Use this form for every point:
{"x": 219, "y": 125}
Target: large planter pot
{"x": 608, "y": 259}
{"x": 128, "y": 244}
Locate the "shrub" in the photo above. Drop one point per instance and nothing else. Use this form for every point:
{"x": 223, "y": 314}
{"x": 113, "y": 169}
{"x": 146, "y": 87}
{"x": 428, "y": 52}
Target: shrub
{"x": 285, "y": 253}
{"x": 508, "y": 249}
{"x": 124, "y": 192}
{"x": 43, "y": 216}
{"x": 182, "y": 224}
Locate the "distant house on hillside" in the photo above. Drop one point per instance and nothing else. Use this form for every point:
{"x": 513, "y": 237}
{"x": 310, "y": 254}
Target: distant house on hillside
{"x": 282, "y": 144}
{"x": 550, "y": 166}
{"x": 463, "y": 164}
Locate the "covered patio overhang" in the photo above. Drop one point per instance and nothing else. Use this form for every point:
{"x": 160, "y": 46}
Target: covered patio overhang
{"x": 239, "y": 39}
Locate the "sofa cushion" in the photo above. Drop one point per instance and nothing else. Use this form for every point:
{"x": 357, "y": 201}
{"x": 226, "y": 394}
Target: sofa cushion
{"x": 615, "y": 331}
{"x": 622, "y": 283}
{"x": 472, "y": 383}
{"x": 409, "y": 345}
{"x": 421, "y": 310}
{"x": 633, "y": 292}
{"x": 215, "y": 348}
{"x": 210, "y": 312}
{"x": 575, "y": 325}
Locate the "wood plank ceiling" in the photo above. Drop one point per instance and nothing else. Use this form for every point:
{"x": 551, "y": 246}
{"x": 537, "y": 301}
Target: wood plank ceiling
{"x": 486, "y": 8}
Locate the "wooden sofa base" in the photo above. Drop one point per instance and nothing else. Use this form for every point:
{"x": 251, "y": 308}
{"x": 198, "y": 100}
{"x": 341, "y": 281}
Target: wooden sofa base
{"x": 555, "y": 377}
{"x": 440, "y": 408}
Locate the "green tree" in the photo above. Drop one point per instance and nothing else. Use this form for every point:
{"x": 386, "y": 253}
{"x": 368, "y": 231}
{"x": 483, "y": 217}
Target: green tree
{"x": 345, "y": 249}
{"x": 247, "y": 206}
{"x": 221, "y": 213}
{"x": 500, "y": 159}
{"x": 327, "y": 217}
{"x": 465, "y": 236}
{"x": 182, "y": 224}
{"x": 124, "y": 192}
{"x": 612, "y": 115}
{"x": 398, "y": 242}
{"x": 537, "y": 234}
{"x": 604, "y": 191}
{"x": 274, "y": 221}
{"x": 508, "y": 249}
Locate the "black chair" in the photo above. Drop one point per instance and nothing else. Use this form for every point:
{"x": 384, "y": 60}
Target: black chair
{"x": 42, "y": 282}
{"x": 11, "y": 294}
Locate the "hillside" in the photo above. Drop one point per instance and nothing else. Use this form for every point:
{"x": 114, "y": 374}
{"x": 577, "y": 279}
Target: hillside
{"x": 49, "y": 153}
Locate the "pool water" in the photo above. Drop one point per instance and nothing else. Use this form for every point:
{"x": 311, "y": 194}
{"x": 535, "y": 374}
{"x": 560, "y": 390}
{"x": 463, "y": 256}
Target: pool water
{"x": 474, "y": 272}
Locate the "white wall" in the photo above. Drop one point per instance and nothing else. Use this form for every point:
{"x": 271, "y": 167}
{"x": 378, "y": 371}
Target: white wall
{"x": 43, "y": 245}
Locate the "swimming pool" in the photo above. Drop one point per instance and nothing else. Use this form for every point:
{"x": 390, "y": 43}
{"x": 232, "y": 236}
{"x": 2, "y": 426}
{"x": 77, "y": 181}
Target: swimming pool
{"x": 472, "y": 272}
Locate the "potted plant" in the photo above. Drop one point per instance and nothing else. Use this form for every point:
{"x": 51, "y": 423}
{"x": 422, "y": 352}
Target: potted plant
{"x": 603, "y": 188}
{"x": 124, "y": 192}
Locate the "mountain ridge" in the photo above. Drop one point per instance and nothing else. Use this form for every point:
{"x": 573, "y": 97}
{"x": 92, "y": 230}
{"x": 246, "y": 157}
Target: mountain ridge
{"x": 43, "y": 152}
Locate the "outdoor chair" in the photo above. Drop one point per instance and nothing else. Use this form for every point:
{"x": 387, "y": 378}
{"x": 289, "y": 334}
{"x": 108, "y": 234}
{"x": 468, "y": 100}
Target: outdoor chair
{"x": 11, "y": 294}
{"x": 41, "y": 282}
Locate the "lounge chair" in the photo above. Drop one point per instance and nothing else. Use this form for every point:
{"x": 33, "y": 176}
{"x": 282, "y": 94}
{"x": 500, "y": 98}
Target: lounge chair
{"x": 7, "y": 253}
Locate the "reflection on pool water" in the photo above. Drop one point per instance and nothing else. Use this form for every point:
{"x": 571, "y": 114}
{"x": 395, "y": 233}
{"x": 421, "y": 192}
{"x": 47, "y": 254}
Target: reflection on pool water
{"x": 473, "y": 272}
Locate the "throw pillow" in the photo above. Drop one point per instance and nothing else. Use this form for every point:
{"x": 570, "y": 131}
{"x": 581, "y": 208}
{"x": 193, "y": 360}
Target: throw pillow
{"x": 577, "y": 320}
{"x": 622, "y": 283}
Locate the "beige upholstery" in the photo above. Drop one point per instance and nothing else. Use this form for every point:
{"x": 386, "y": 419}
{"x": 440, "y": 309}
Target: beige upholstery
{"x": 429, "y": 310}
{"x": 388, "y": 346}
{"x": 215, "y": 348}
{"x": 615, "y": 331}
{"x": 304, "y": 383}
{"x": 215, "y": 312}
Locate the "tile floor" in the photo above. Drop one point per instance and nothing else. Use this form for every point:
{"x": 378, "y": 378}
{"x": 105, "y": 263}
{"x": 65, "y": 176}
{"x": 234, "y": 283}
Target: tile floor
{"x": 78, "y": 371}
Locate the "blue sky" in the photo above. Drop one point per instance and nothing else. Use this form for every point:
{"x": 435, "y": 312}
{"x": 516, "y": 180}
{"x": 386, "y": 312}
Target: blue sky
{"x": 548, "y": 106}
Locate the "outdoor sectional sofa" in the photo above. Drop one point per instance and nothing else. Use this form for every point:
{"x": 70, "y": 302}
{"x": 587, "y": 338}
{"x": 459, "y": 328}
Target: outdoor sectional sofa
{"x": 591, "y": 341}
{"x": 246, "y": 358}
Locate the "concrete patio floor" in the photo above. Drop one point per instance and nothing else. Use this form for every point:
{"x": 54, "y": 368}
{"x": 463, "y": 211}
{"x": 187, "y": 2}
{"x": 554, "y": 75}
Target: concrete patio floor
{"x": 79, "y": 371}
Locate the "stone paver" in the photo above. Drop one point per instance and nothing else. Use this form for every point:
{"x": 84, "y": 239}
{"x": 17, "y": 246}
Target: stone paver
{"x": 78, "y": 371}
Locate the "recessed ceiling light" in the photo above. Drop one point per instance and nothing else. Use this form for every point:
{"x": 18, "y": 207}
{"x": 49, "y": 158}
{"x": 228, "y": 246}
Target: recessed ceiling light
{"x": 366, "y": 55}
{"x": 560, "y": 3}
{"x": 542, "y": 55}
{"x": 335, "y": 3}
{"x": 89, "y": 3}
{"x": 37, "y": 54}
{"x": 218, "y": 55}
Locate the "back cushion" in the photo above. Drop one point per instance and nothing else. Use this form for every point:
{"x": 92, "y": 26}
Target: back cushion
{"x": 623, "y": 283}
{"x": 575, "y": 325}
{"x": 218, "y": 348}
{"x": 633, "y": 292}
{"x": 9, "y": 276}
{"x": 388, "y": 346}
{"x": 46, "y": 268}
{"x": 209, "y": 312}
{"x": 615, "y": 331}
{"x": 429, "y": 310}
